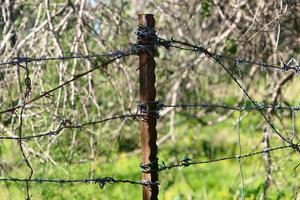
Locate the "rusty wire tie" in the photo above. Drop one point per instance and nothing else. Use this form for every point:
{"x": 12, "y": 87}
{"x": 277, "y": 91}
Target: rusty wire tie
{"x": 147, "y": 33}
{"x": 146, "y": 40}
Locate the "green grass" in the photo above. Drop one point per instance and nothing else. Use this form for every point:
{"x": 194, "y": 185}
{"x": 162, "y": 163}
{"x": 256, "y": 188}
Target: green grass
{"x": 219, "y": 180}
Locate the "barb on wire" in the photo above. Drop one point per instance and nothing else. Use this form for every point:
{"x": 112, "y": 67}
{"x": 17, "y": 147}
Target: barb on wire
{"x": 101, "y": 181}
{"x": 291, "y": 64}
{"x": 186, "y": 161}
{"x": 117, "y": 55}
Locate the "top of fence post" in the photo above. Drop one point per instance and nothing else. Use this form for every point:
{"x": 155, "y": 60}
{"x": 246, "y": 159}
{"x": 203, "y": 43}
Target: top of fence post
{"x": 146, "y": 20}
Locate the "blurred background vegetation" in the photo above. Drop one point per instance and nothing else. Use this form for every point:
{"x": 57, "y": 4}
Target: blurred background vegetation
{"x": 264, "y": 31}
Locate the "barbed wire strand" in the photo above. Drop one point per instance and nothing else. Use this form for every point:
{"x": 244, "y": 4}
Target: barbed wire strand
{"x": 67, "y": 124}
{"x": 100, "y": 181}
{"x": 20, "y": 59}
{"x": 258, "y": 106}
{"x": 291, "y": 64}
{"x": 186, "y": 162}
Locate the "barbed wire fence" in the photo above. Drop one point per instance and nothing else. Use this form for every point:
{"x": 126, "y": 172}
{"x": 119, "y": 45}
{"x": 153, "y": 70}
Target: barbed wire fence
{"x": 144, "y": 112}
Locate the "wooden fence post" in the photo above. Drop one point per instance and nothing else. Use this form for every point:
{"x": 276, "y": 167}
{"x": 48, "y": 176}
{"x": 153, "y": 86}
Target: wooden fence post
{"x": 148, "y": 105}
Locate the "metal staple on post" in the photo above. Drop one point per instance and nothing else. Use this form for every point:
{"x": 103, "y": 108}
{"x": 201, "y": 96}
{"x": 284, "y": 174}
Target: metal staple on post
{"x": 146, "y": 35}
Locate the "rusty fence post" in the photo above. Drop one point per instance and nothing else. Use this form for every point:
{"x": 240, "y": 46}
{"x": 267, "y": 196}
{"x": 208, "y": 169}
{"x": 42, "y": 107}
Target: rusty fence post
{"x": 148, "y": 105}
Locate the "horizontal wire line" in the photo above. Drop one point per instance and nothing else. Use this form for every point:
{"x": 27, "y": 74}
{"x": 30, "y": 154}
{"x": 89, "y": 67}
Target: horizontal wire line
{"x": 75, "y": 126}
{"x": 237, "y": 108}
{"x": 19, "y": 60}
{"x": 161, "y": 106}
{"x": 100, "y": 181}
{"x": 188, "y": 162}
